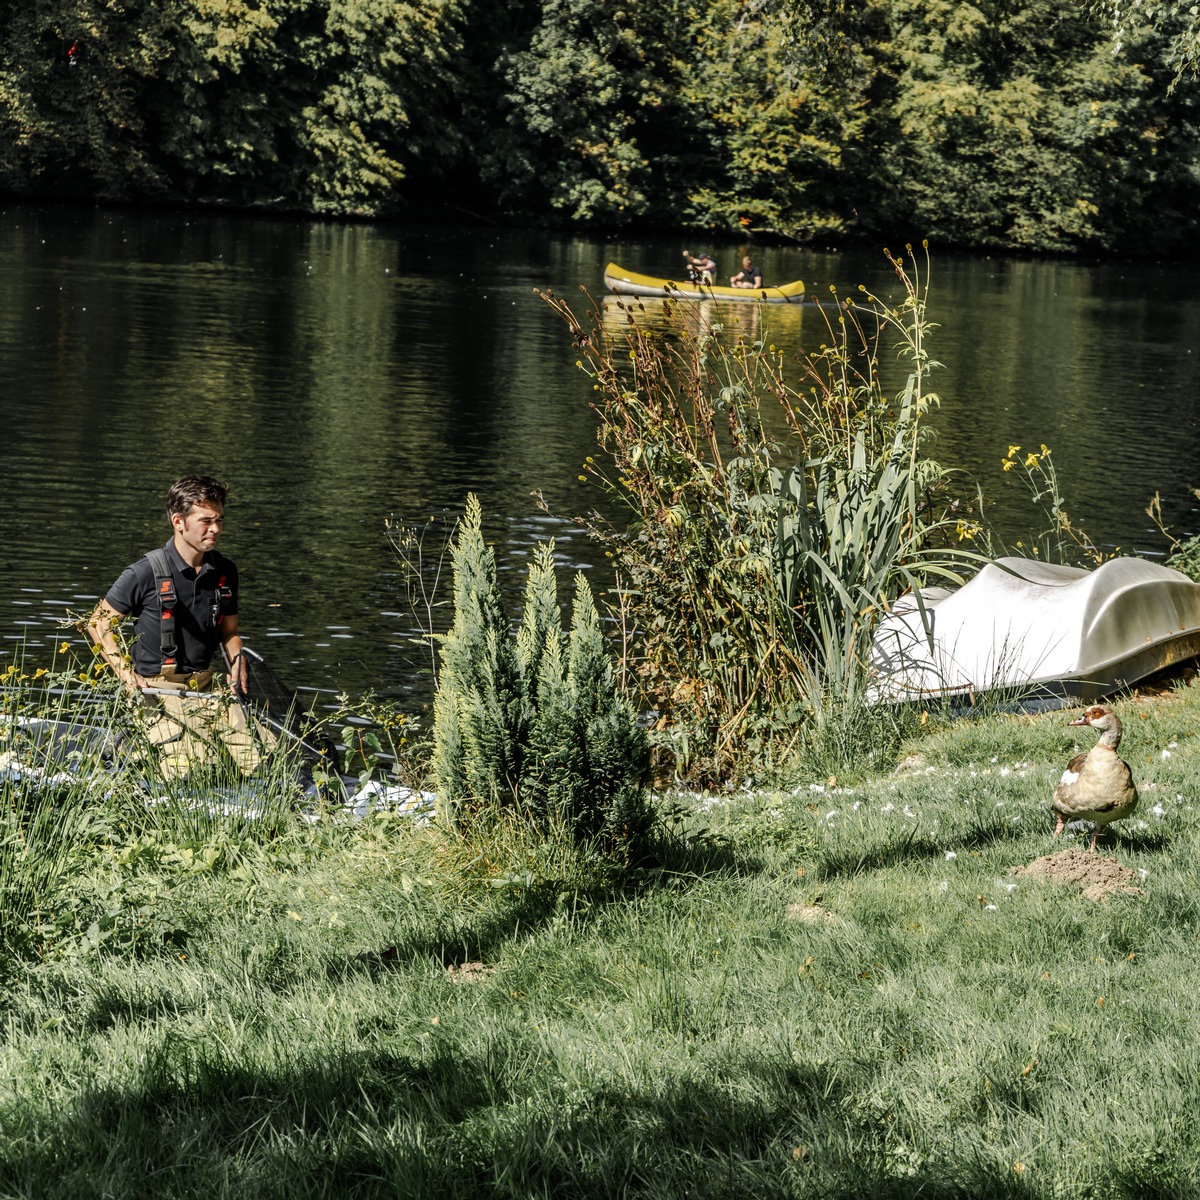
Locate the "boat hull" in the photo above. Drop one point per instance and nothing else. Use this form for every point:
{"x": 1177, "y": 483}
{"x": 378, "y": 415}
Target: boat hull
{"x": 631, "y": 283}
{"x": 1035, "y": 629}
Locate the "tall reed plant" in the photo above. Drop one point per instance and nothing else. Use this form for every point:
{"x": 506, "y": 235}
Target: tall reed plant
{"x": 776, "y": 507}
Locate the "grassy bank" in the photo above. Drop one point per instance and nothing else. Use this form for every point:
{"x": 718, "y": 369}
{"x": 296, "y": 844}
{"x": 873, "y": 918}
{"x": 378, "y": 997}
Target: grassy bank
{"x": 823, "y": 991}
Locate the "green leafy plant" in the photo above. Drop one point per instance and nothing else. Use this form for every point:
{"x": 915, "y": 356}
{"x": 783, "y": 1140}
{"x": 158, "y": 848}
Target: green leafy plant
{"x": 1184, "y": 554}
{"x": 1062, "y": 541}
{"x": 380, "y": 740}
{"x": 770, "y": 524}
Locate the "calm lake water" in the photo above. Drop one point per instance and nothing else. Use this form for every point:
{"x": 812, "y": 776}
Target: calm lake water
{"x": 338, "y": 376}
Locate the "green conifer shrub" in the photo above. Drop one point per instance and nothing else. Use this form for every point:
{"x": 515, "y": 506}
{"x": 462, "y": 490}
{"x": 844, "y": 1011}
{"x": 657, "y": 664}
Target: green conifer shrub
{"x": 535, "y": 723}
{"x": 479, "y": 715}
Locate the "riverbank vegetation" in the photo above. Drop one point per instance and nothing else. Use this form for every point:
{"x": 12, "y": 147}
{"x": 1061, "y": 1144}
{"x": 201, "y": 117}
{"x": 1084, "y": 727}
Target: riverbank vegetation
{"x": 816, "y": 991}
{"x": 775, "y": 510}
{"x": 1016, "y": 125}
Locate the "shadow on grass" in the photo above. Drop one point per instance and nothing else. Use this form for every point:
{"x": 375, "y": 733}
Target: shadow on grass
{"x": 675, "y": 864}
{"x": 444, "y": 1121}
{"x": 479, "y": 939}
{"x": 981, "y": 833}
{"x": 907, "y": 847}
{"x": 1147, "y": 841}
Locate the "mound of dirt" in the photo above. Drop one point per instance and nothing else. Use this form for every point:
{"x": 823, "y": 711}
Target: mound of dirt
{"x": 1099, "y": 877}
{"x": 811, "y": 914}
{"x": 468, "y": 972}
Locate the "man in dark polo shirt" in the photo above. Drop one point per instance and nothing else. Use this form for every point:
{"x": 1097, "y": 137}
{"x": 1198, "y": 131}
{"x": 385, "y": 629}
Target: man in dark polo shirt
{"x": 204, "y": 612}
{"x": 183, "y": 602}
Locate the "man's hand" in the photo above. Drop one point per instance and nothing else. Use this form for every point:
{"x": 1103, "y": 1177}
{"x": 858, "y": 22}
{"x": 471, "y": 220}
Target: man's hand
{"x": 238, "y": 678}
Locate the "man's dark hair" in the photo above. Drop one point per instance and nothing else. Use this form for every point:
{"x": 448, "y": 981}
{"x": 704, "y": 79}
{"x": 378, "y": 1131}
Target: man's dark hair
{"x": 195, "y": 489}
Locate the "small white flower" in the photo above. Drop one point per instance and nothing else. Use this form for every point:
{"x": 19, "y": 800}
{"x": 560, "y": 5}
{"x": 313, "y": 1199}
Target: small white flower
{"x": 1011, "y": 887}
{"x": 1142, "y": 825}
{"x": 887, "y": 808}
{"x": 833, "y": 812}
{"x": 943, "y": 886}
{"x": 989, "y": 908}
{"x": 1166, "y": 754}
{"x": 908, "y": 812}
{"x": 1143, "y": 873}
{"x": 1004, "y": 772}
{"x": 1158, "y": 810}
{"x": 1172, "y": 745}
{"x": 950, "y": 856}
{"x": 817, "y": 787}
{"x": 994, "y": 758}
{"x": 855, "y": 807}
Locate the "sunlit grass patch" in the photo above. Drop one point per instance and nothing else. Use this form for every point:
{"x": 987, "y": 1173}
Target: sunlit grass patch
{"x": 819, "y": 989}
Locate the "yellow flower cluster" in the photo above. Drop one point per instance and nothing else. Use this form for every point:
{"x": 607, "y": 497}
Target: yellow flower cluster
{"x": 1030, "y": 461}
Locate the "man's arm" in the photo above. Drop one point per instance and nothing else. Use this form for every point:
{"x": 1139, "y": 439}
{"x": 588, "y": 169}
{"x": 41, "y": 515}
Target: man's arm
{"x": 101, "y": 628}
{"x": 231, "y": 643}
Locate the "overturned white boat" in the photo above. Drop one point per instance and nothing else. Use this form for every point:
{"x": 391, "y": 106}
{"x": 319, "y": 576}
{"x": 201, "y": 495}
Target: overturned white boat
{"x": 1035, "y": 629}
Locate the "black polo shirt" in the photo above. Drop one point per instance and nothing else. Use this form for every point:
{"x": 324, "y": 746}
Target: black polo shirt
{"x": 196, "y": 613}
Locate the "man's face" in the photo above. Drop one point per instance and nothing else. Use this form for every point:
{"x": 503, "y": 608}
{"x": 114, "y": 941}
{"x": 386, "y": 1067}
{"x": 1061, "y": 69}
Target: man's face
{"x": 200, "y": 528}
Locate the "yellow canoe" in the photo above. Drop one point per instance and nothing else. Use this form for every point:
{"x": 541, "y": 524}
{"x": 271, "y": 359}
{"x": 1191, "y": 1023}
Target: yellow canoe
{"x": 630, "y": 283}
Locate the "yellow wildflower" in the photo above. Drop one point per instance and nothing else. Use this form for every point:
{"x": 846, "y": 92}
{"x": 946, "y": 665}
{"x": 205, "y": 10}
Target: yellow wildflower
{"x": 1008, "y": 464}
{"x": 1031, "y": 460}
{"x": 1012, "y": 450}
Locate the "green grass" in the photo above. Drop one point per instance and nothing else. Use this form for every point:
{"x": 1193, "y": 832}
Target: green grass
{"x": 820, "y": 991}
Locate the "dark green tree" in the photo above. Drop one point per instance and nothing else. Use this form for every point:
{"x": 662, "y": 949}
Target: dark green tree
{"x": 594, "y": 120}
{"x": 1009, "y": 123}
{"x": 322, "y": 105}
{"x": 73, "y": 80}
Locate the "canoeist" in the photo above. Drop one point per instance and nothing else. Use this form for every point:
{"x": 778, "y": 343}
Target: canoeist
{"x": 748, "y": 277}
{"x": 702, "y": 268}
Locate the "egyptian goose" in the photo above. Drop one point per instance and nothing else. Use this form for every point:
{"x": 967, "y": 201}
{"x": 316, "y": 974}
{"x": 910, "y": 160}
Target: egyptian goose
{"x": 1096, "y": 786}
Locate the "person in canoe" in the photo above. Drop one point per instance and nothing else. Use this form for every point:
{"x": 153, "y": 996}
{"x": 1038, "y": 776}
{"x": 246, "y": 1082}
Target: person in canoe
{"x": 748, "y": 277}
{"x": 183, "y": 601}
{"x": 702, "y": 268}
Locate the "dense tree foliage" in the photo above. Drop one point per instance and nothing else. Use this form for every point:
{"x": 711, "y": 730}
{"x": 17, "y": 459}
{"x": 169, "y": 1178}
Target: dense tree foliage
{"x": 999, "y": 123}
{"x": 1179, "y": 20}
{"x": 316, "y": 104}
{"x": 1011, "y": 124}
